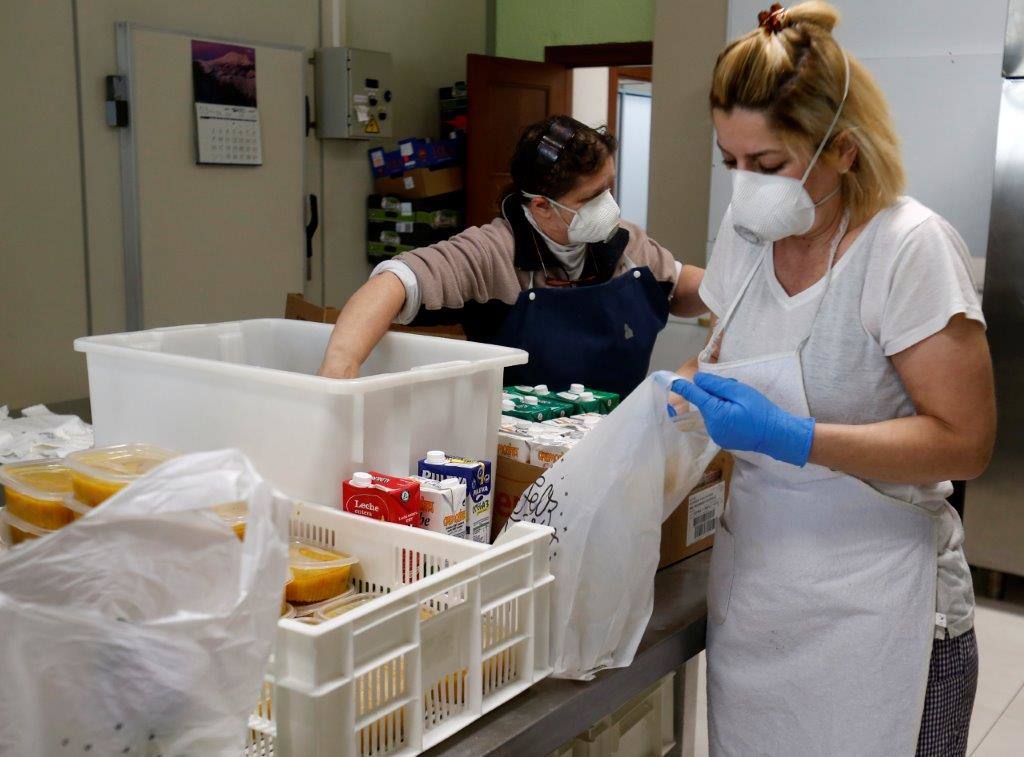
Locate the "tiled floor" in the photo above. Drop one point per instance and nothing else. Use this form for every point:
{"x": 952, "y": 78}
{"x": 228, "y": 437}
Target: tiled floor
{"x": 997, "y": 726}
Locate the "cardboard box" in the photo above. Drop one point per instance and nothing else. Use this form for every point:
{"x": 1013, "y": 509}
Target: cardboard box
{"x": 421, "y": 182}
{"x": 689, "y": 530}
{"x": 299, "y": 309}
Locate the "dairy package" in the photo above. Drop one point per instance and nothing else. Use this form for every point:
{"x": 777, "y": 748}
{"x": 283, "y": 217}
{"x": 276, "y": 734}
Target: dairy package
{"x": 549, "y": 448}
{"x": 476, "y": 474}
{"x": 389, "y": 498}
{"x": 567, "y": 427}
{"x": 608, "y": 400}
{"x": 542, "y": 396}
{"x": 582, "y": 402}
{"x": 443, "y": 505}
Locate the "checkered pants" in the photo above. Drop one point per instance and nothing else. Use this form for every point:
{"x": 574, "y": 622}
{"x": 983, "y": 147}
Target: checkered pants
{"x": 949, "y": 698}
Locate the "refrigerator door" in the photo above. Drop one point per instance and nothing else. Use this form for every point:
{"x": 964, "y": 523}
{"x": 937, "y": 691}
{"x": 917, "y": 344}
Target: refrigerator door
{"x": 994, "y": 510}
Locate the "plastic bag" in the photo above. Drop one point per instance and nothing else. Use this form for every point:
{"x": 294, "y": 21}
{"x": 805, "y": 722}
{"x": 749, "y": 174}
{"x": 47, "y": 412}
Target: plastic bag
{"x": 606, "y": 500}
{"x": 145, "y": 627}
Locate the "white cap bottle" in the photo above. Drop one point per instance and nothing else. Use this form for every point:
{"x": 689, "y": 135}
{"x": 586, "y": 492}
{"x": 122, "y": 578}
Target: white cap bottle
{"x": 362, "y": 480}
{"x": 577, "y": 388}
{"x": 436, "y": 457}
{"x": 541, "y": 390}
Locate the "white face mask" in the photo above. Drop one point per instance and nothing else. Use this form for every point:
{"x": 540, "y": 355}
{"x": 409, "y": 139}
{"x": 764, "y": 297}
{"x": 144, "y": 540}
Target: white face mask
{"x": 594, "y": 222}
{"x": 766, "y": 208}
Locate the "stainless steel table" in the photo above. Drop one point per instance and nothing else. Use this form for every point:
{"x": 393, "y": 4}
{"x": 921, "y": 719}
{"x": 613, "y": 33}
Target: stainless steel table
{"x": 552, "y": 712}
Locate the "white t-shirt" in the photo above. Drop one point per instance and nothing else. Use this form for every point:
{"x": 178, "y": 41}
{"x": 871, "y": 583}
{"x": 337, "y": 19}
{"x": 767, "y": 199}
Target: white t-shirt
{"x": 901, "y": 281}
{"x": 918, "y": 275}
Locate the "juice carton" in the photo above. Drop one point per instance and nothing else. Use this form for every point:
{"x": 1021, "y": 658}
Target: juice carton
{"x": 609, "y": 400}
{"x": 568, "y": 427}
{"x": 476, "y": 474}
{"x": 443, "y": 505}
{"x": 388, "y": 498}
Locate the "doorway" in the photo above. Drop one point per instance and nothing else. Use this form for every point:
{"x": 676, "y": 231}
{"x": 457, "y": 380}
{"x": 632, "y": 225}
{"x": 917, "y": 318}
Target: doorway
{"x": 506, "y": 95}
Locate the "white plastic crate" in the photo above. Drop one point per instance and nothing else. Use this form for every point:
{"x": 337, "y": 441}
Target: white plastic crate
{"x": 252, "y": 385}
{"x": 385, "y": 679}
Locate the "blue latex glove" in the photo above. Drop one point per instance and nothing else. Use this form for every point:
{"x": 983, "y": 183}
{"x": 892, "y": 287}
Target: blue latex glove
{"x": 738, "y": 417}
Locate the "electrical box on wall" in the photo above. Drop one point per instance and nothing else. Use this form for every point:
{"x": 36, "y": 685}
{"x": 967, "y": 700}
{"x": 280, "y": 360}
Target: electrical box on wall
{"x": 353, "y": 93}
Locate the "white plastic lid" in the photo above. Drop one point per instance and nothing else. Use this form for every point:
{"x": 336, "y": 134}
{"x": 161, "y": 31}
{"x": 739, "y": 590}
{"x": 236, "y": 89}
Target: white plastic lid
{"x": 362, "y": 479}
{"x": 508, "y": 405}
{"x": 525, "y": 388}
{"x": 437, "y": 456}
{"x": 531, "y": 401}
{"x": 586, "y": 396}
{"x": 576, "y": 388}
{"x": 541, "y": 389}
{"x": 507, "y": 396}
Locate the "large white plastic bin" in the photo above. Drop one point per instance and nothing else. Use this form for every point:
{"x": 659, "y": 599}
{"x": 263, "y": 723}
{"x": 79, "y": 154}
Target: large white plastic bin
{"x": 459, "y": 629}
{"x": 252, "y": 385}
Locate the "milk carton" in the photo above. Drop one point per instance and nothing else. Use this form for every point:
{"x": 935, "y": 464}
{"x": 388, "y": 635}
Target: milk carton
{"x": 549, "y": 449}
{"x": 388, "y": 498}
{"x": 476, "y": 474}
{"x": 443, "y": 506}
{"x": 608, "y": 401}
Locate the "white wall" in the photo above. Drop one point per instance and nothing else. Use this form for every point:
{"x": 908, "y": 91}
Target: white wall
{"x": 590, "y": 96}
{"x": 938, "y": 62}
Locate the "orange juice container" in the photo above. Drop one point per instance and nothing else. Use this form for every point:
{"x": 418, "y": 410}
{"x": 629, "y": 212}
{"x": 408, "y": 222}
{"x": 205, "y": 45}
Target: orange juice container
{"x": 99, "y": 473}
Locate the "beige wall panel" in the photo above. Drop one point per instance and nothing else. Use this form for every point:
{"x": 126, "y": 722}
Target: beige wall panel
{"x": 218, "y": 243}
{"x": 687, "y": 39}
{"x": 288, "y": 23}
{"x": 42, "y": 258}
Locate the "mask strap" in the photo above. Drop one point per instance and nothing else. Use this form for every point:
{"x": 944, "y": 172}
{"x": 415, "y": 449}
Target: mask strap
{"x": 835, "y": 120}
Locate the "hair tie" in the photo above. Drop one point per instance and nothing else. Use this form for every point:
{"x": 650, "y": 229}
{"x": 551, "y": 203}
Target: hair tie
{"x": 771, "y": 20}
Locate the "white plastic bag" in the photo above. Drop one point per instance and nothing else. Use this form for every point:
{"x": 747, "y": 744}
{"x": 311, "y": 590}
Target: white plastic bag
{"x": 606, "y": 500}
{"x": 146, "y": 625}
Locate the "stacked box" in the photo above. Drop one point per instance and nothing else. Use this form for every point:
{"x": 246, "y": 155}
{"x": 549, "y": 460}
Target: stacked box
{"x": 454, "y": 107}
{"x": 396, "y": 225}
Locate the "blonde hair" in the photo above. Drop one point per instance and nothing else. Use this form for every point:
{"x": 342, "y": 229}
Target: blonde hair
{"x": 795, "y": 74}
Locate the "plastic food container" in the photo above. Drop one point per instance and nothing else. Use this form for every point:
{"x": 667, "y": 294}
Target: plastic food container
{"x": 234, "y": 514}
{"x": 101, "y": 472}
{"x": 287, "y": 610}
{"x": 77, "y": 508}
{"x": 334, "y": 609}
{"x": 22, "y": 530}
{"x": 35, "y": 492}
{"x": 317, "y": 573}
{"x": 252, "y": 385}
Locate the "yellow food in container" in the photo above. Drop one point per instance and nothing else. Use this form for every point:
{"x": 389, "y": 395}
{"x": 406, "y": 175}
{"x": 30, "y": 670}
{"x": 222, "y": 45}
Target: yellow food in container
{"x": 22, "y": 531}
{"x": 318, "y": 573}
{"x": 343, "y": 606}
{"x": 34, "y": 492}
{"x": 78, "y": 509}
{"x": 234, "y": 514}
{"x": 99, "y": 473}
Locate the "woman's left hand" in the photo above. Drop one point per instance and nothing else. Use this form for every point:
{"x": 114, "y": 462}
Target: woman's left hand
{"x": 738, "y": 417}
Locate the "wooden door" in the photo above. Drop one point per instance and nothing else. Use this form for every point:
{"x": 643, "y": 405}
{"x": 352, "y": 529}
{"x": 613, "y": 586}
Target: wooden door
{"x": 505, "y": 96}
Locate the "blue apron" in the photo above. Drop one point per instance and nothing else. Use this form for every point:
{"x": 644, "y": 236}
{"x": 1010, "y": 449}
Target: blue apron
{"x": 600, "y": 335}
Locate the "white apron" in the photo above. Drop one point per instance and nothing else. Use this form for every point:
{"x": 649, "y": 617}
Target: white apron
{"x": 821, "y": 596}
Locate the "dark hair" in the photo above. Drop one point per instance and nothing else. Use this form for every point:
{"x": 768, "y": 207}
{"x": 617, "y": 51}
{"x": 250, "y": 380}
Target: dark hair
{"x": 583, "y": 154}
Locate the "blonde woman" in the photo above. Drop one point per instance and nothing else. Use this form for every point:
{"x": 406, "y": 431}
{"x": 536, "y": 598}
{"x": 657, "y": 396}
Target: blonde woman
{"x": 848, "y": 369}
